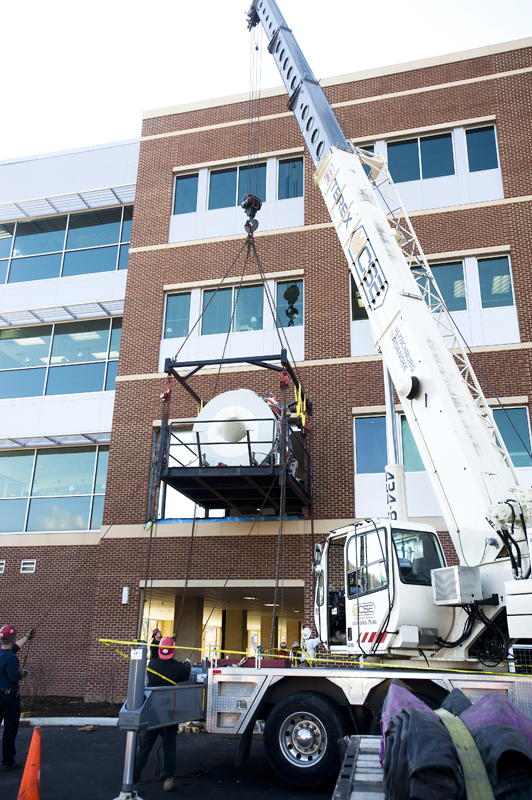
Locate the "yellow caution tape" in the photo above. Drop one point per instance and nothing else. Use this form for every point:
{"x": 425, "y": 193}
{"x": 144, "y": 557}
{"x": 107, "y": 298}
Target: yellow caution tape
{"x": 329, "y": 660}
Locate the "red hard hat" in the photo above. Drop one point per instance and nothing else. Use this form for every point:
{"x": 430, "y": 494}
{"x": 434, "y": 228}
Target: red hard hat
{"x": 155, "y": 630}
{"x": 8, "y": 634}
{"x": 165, "y": 646}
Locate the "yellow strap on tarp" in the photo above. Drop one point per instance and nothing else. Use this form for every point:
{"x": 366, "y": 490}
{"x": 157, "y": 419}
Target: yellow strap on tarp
{"x": 478, "y": 786}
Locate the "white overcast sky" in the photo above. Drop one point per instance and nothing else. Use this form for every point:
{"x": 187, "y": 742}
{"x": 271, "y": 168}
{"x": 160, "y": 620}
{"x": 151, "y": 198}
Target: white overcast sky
{"x": 82, "y": 74}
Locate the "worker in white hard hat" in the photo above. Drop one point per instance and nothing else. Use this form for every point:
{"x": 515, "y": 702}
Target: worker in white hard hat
{"x": 253, "y": 324}
{"x": 308, "y": 646}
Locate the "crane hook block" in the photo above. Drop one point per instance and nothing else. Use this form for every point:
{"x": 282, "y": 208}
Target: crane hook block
{"x": 251, "y": 204}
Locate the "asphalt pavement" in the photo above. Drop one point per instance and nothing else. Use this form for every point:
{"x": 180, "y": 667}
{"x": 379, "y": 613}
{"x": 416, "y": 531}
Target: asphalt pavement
{"x": 89, "y": 765}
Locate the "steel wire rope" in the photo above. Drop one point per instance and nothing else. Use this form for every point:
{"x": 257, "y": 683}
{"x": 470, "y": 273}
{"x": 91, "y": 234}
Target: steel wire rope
{"x": 187, "y": 337}
{"x": 233, "y": 312}
{"x": 187, "y": 574}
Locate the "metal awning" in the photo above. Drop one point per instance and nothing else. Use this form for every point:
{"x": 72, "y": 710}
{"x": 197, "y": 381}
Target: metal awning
{"x": 72, "y": 311}
{"x": 56, "y": 440}
{"x": 64, "y": 203}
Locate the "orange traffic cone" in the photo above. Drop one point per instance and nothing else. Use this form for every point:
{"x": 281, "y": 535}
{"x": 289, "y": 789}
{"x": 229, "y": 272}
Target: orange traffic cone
{"x": 30, "y": 786}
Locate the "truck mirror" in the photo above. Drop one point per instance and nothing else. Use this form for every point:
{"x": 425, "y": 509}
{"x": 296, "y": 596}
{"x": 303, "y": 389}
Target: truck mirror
{"x": 317, "y": 553}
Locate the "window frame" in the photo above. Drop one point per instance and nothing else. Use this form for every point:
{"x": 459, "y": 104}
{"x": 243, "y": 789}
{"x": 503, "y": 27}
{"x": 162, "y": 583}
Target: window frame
{"x": 434, "y": 135}
{"x": 235, "y": 168}
{"x": 30, "y": 496}
{"x": 120, "y": 245}
{"x": 235, "y": 288}
{"x": 49, "y": 366}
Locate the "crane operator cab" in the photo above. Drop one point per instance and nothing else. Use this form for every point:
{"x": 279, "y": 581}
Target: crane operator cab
{"x": 374, "y": 592}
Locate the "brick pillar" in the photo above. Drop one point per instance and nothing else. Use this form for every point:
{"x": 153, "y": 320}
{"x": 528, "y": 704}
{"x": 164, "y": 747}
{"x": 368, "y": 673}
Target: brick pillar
{"x": 266, "y": 632}
{"x": 190, "y": 627}
{"x": 234, "y": 632}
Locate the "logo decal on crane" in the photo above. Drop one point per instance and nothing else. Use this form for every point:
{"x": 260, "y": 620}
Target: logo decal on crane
{"x": 369, "y": 271}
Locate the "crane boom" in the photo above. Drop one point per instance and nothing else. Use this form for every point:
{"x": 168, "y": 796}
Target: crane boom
{"x": 452, "y": 424}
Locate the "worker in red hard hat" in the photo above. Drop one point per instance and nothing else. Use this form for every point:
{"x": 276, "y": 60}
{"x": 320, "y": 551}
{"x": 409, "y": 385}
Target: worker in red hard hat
{"x": 162, "y": 671}
{"x": 156, "y": 636}
{"x": 10, "y": 675}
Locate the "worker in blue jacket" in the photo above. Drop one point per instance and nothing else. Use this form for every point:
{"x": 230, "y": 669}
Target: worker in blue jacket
{"x": 10, "y": 675}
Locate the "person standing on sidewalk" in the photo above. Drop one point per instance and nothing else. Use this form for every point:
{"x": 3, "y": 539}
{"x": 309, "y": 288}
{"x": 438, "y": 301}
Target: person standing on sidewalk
{"x": 169, "y": 672}
{"x": 10, "y": 675}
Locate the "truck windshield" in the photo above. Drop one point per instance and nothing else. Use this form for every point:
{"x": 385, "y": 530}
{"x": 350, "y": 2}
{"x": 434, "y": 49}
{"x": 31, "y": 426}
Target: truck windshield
{"x": 418, "y": 552}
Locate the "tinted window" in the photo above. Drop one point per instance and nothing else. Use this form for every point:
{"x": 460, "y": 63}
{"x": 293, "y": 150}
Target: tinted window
{"x": 6, "y": 239}
{"x": 64, "y": 471}
{"x": 403, "y": 160}
{"x": 411, "y": 458}
{"x": 252, "y": 179}
{"x": 177, "y": 315}
{"x": 126, "y": 224}
{"x": 59, "y": 514}
{"x": 371, "y": 454}
{"x": 290, "y": 178}
{"x": 21, "y": 383}
{"x": 222, "y": 191}
{"x": 513, "y": 426}
{"x": 40, "y": 236}
{"x": 25, "y": 347}
{"x": 216, "y": 311}
{"x": 290, "y": 304}
{"x": 248, "y": 312}
{"x": 116, "y": 336}
{"x": 75, "y": 379}
{"x": 495, "y": 282}
{"x": 15, "y": 473}
{"x": 12, "y": 515}
{"x": 94, "y": 229}
{"x": 451, "y": 285}
{"x": 37, "y": 268}
{"x": 123, "y": 259}
{"x": 85, "y": 262}
{"x": 80, "y": 341}
{"x": 437, "y": 155}
{"x": 97, "y": 512}
{"x": 186, "y": 194}
{"x": 481, "y": 149}
{"x": 110, "y": 380}
{"x": 366, "y": 569}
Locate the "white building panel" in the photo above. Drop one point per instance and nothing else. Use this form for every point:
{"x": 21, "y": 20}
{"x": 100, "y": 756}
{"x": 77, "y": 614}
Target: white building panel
{"x": 60, "y": 414}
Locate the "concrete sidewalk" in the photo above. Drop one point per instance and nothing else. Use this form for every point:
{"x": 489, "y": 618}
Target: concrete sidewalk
{"x": 88, "y": 766}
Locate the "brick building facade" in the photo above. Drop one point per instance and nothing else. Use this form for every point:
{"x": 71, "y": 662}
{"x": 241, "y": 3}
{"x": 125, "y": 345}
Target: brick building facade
{"x": 456, "y": 133}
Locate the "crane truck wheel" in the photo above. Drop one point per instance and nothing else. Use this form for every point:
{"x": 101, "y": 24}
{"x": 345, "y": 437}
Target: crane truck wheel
{"x": 301, "y": 738}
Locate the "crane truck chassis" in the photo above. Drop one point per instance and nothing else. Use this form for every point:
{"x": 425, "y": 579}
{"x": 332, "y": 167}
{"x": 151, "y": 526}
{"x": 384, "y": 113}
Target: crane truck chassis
{"x": 387, "y": 605}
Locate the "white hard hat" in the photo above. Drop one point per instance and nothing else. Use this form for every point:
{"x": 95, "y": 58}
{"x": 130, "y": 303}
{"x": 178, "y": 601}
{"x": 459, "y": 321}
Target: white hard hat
{"x": 306, "y": 632}
{"x": 295, "y": 644}
{"x": 253, "y": 319}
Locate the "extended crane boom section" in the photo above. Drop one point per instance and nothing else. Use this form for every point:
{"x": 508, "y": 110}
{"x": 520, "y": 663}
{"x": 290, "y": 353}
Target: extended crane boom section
{"x": 307, "y": 99}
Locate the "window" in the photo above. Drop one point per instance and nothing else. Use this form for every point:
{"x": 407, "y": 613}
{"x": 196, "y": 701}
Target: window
{"x": 411, "y": 458}
{"x": 290, "y": 178}
{"x": 56, "y": 489}
{"x": 290, "y": 304}
{"x": 451, "y": 285}
{"x": 481, "y": 149}
{"x": 65, "y": 358}
{"x": 417, "y": 553}
{"x": 63, "y": 246}
{"x": 28, "y": 565}
{"x": 186, "y": 194}
{"x": 358, "y": 309}
{"x": 177, "y": 315}
{"x": 495, "y": 282}
{"x": 223, "y": 185}
{"x": 513, "y": 427}
{"x": 218, "y": 309}
{"x": 370, "y": 444}
{"x": 2, "y": 566}
{"x": 426, "y": 157}
{"x": 366, "y": 565}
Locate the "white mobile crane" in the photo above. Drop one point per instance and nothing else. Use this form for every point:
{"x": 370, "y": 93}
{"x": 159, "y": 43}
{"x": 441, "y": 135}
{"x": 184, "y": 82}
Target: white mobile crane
{"x": 395, "y": 601}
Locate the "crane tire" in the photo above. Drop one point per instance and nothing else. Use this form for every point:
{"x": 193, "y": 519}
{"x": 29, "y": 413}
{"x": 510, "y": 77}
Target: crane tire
{"x": 301, "y": 738}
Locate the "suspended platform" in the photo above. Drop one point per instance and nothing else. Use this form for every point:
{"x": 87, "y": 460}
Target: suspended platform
{"x": 230, "y": 457}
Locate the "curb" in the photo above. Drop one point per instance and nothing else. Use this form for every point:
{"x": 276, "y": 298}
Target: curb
{"x": 74, "y": 721}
